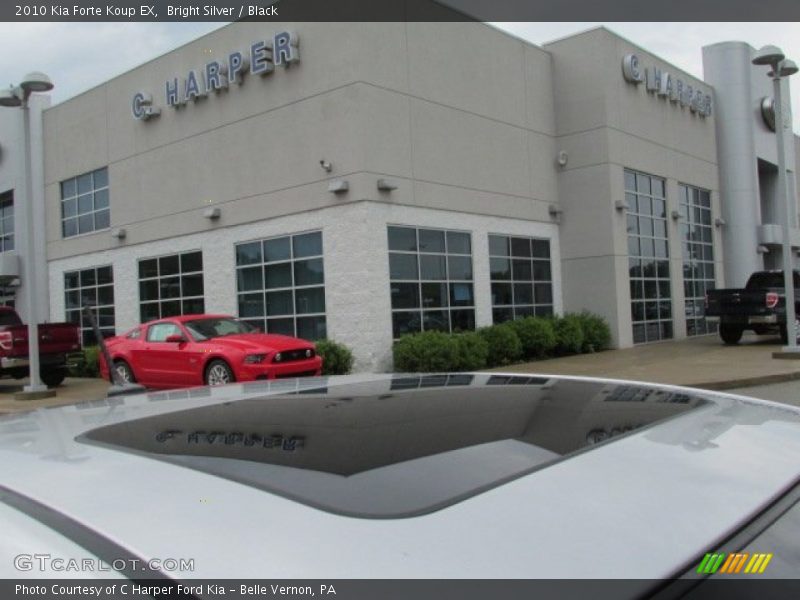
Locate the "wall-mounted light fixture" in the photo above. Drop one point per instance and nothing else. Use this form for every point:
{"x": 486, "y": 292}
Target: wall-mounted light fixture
{"x": 555, "y": 212}
{"x": 621, "y": 205}
{"x": 338, "y": 186}
{"x": 675, "y": 215}
{"x": 386, "y": 185}
{"x": 719, "y": 222}
{"x": 212, "y": 213}
{"x": 326, "y": 165}
{"x": 120, "y": 233}
{"x": 562, "y": 158}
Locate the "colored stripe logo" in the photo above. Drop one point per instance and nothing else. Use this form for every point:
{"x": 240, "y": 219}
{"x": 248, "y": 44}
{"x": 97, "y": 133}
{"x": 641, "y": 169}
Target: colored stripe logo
{"x": 743, "y": 562}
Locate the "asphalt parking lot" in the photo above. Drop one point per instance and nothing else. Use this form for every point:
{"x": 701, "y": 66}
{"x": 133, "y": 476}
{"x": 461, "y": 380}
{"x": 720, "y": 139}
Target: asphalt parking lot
{"x": 704, "y": 362}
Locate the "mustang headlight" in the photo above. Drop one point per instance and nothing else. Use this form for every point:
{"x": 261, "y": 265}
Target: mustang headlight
{"x": 254, "y": 359}
{"x": 309, "y": 353}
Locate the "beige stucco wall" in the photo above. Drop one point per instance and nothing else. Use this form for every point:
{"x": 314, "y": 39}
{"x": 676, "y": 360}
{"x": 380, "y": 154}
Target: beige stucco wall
{"x": 606, "y": 125}
{"x": 464, "y": 118}
{"x": 459, "y": 114}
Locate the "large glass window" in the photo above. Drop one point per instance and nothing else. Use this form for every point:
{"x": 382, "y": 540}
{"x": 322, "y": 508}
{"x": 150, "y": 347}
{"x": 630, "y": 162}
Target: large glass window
{"x": 6, "y": 221}
{"x": 648, "y": 257}
{"x": 280, "y": 284}
{"x": 90, "y": 287}
{"x": 521, "y": 277}
{"x": 698, "y": 256}
{"x": 171, "y": 285}
{"x": 84, "y": 203}
{"x": 430, "y": 275}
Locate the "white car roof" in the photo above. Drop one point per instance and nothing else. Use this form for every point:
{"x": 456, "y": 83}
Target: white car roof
{"x": 521, "y": 493}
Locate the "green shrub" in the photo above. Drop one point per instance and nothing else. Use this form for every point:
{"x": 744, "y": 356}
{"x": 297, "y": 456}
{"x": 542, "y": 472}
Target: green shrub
{"x": 504, "y": 344}
{"x": 537, "y": 336}
{"x": 84, "y": 364}
{"x": 596, "y": 332}
{"x": 569, "y": 334}
{"x": 336, "y": 358}
{"x": 473, "y": 351}
{"x": 427, "y": 352}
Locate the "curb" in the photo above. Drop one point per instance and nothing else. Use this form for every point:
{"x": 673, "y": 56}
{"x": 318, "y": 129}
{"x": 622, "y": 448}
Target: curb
{"x": 730, "y": 384}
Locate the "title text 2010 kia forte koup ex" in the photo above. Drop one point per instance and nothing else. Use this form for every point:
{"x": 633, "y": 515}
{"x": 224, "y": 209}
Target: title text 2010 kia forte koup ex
{"x": 436, "y": 476}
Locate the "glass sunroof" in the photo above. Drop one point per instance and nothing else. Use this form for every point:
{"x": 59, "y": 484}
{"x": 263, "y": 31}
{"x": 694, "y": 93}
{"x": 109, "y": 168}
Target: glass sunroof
{"x": 398, "y": 447}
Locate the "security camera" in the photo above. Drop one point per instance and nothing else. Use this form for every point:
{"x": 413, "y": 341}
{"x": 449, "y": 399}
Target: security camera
{"x": 326, "y": 165}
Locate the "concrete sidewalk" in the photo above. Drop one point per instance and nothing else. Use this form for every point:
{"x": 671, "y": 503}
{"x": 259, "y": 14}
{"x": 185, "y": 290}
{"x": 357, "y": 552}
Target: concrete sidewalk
{"x": 72, "y": 391}
{"x": 703, "y": 362}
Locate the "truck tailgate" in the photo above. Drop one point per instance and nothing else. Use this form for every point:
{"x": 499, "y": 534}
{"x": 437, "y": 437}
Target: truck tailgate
{"x": 736, "y": 302}
{"x": 54, "y": 338}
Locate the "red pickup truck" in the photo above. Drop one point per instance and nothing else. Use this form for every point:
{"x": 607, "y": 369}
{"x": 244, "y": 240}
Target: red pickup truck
{"x": 55, "y": 341}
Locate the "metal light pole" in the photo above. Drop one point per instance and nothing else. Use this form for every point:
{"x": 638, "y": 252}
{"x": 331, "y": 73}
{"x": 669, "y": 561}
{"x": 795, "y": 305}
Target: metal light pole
{"x": 774, "y": 57}
{"x": 19, "y": 96}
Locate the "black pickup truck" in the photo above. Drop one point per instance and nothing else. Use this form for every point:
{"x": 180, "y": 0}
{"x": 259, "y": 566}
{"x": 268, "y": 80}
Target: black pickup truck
{"x": 758, "y": 306}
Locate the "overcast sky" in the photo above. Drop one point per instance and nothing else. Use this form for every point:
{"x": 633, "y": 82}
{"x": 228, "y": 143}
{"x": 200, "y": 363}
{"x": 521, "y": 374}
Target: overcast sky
{"x": 78, "y": 56}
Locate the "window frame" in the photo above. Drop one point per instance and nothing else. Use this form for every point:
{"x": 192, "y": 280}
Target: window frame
{"x": 311, "y": 324}
{"x": 85, "y": 329}
{"x": 7, "y": 222}
{"x": 649, "y": 274}
{"x": 159, "y": 279}
{"x": 93, "y": 191}
{"x": 451, "y": 283}
{"x": 520, "y": 309}
{"x": 694, "y": 302}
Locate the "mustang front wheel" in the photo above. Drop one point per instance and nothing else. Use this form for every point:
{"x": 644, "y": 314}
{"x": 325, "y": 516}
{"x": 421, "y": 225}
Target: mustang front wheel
{"x": 218, "y": 373}
{"x": 124, "y": 372}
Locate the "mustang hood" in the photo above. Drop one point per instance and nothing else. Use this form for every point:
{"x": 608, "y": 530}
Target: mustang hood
{"x": 260, "y": 342}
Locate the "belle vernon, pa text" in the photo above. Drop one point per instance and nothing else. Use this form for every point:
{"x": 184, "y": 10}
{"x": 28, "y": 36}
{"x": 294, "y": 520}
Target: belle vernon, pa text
{"x": 170, "y": 591}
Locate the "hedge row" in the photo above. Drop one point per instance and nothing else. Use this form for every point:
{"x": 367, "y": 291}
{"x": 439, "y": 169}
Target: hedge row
{"x": 530, "y": 338}
{"x": 336, "y": 358}
{"x": 84, "y": 364}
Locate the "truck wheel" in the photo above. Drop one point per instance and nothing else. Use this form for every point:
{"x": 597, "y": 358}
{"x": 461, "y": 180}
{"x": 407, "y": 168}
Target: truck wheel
{"x": 730, "y": 334}
{"x": 219, "y": 373}
{"x": 53, "y": 377}
{"x": 124, "y": 372}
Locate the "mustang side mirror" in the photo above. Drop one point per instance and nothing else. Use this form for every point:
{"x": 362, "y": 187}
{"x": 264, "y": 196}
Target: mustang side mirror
{"x": 175, "y": 338}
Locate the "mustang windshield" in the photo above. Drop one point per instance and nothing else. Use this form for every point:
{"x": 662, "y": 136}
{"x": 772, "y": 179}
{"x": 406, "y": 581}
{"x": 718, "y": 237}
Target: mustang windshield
{"x": 206, "y": 329}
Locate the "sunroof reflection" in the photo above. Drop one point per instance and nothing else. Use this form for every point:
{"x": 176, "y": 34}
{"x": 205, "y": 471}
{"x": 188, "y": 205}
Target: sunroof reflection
{"x": 397, "y": 447}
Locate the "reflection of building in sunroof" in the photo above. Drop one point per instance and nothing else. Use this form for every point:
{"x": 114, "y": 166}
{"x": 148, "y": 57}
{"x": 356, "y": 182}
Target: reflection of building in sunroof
{"x": 397, "y": 447}
{"x": 632, "y": 393}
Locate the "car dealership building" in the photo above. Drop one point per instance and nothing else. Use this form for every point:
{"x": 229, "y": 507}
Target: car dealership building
{"x": 364, "y": 180}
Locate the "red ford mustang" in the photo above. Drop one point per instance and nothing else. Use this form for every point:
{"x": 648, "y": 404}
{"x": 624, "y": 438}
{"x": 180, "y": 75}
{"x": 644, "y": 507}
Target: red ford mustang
{"x": 206, "y": 350}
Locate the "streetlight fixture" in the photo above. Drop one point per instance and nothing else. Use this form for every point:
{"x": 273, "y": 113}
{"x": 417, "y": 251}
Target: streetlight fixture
{"x": 18, "y": 97}
{"x": 774, "y": 57}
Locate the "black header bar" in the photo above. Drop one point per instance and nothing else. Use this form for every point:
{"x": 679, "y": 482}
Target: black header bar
{"x": 400, "y": 10}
